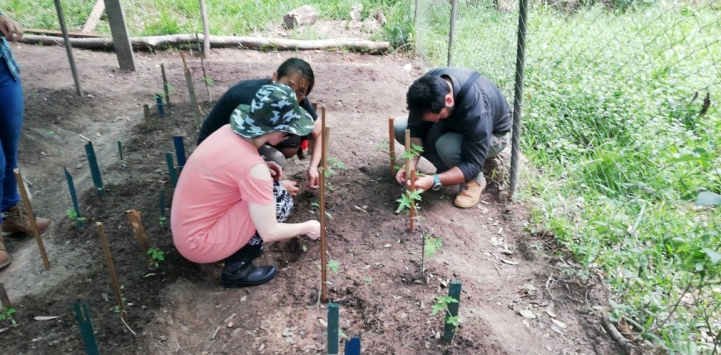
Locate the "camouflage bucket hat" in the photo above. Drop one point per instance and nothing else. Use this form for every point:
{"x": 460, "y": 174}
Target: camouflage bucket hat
{"x": 274, "y": 108}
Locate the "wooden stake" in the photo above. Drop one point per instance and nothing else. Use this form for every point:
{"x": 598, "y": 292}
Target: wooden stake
{"x": 4, "y": 297}
{"x": 141, "y": 235}
{"x": 321, "y": 197}
{"x": 191, "y": 90}
{"x": 33, "y": 224}
{"x": 323, "y": 261}
{"x": 408, "y": 154}
{"x": 165, "y": 85}
{"x": 202, "y": 64}
{"x": 392, "y": 144}
{"x": 206, "y": 29}
{"x": 146, "y": 113}
{"x": 111, "y": 268}
{"x": 413, "y": 202}
{"x": 325, "y": 130}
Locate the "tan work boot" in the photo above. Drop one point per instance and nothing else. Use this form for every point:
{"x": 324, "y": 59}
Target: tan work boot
{"x": 16, "y": 221}
{"x": 4, "y": 256}
{"x": 471, "y": 194}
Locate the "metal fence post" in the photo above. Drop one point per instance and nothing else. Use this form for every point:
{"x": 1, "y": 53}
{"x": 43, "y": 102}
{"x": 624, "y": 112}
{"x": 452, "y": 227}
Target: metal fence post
{"x": 518, "y": 96}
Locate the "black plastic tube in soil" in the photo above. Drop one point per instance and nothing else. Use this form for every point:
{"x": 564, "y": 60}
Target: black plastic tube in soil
{"x": 453, "y": 291}
{"x": 171, "y": 169}
{"x": 94, "y": 169}
{"x": 74, "y": 198}
{"x": 82, "y": 315}
{"x": 179, "y": 152}
{"x": 333, "y": 315}
{"x": 120, "y": 152}
{"x": 159, "y": 103}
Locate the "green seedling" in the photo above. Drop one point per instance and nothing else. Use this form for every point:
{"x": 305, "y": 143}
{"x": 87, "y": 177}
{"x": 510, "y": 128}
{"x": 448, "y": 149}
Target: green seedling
{"x": 156, "y": 256}
{"x": 208, "y": 80}
{"x": 415, "y": 151}
{"x": 432, "y": 246}
{"x": 441, "y": 305}
{"x": 407, "y": 199}
{"x": 73, "y": 216}
{"x": 116, "y": 309}
{"x": 7, "y": 314}
{"x": 382, "y": 146}
{"x": 367, "y": 280}
{"x": 333, "y": 265}
{"x": 163, "y": 220}
{"x": 317, "y": 205}
{"x": 305, "y": 248}
{"x": 171, "y": 89}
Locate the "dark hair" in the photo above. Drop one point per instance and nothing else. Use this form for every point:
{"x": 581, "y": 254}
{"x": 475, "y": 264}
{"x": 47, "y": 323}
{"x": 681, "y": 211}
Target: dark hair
{"x": 300, "y": 66}
{"x": 428, "y": 93}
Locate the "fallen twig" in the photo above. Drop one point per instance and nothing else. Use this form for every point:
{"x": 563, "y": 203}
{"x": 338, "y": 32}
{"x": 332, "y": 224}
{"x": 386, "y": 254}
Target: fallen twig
{"x": 620, "y": 339}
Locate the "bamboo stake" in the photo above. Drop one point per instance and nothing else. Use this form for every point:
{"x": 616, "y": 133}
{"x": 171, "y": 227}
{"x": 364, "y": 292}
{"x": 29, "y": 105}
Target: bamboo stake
{"x": 141, "y": 235}
{"x": 323, "y": 261}
{"x": 111, "y": 268}
{"x": 165, "y": 84}
{"x": 191, "y": 90}
{"x": 392, "y": 144}
{"x": 408, "y": 154}
{"x": 206, "y": 29}
{"x": 321, "y": 197}
{"x": 33, "y": 224}
{"x": 324, "y": 150}
{"x": 202, "y": 64}
{"x": 146, "y": 114}
{"x": 413, "y": 202}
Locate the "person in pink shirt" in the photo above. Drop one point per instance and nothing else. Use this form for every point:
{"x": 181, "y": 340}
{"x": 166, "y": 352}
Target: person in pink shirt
{"x": 228, "y": 200}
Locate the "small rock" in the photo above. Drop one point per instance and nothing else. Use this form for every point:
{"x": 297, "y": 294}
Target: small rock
{"x": 162, "y": 338}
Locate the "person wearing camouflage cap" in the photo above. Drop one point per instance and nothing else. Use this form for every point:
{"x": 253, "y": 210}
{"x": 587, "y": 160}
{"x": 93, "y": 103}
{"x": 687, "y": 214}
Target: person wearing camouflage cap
{"x": 228, "y": 200}
{"x": 297, "y": 74}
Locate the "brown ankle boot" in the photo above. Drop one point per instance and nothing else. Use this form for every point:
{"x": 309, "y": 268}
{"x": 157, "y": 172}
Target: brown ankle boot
{"x": 15, "y": 220}
{"x": 4, "y": 256}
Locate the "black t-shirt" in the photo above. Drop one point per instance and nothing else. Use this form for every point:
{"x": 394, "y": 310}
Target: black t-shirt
{"x": 241, "y": 93}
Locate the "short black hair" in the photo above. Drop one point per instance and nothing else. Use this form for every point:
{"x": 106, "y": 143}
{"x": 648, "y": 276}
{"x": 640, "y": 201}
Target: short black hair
{"x": 300, "y": 66}
{"x": 428, "y": 93}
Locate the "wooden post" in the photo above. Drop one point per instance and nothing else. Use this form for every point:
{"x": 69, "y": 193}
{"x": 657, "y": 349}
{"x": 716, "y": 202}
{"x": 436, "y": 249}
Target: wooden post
{"x": 324, "y": 151}
{"x": 413, "y": 202}
{"x": 141, "y": 235}
{"x": 392, "y": 144}
{"x": 146, "y": 114}
{"x": 4, "y": 297}
{"x": 121, "y": 37}
{"x": 333, "y": 323}
{"x": 31, "y": 216}
{"x": 82, "y": 315}
{"x": 111, "y": 268}
{"x": 323, "y": 261}
{"x": 321, "y": 201}
{"x": 454, "y": 290}
{"x": 191, "y": 90}
{"x": 165, "y": 85}
{"x": 68, "y": 48}
{"x": 206, "y": 29}
{"x": 408, "y": 155}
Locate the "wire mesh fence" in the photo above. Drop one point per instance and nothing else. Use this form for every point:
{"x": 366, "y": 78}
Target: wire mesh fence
{"x": 622, "y": 137}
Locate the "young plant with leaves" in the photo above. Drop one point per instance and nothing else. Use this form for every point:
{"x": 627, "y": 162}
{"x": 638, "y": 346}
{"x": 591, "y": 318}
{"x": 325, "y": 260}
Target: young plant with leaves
{"x": 441, "y": 305}
{"x": 7, "y": 314}
{"x": 156, "y": 256}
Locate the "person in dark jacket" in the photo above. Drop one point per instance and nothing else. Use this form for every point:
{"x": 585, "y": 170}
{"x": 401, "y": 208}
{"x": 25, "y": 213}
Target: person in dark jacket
{"x": 297, "y": 74}
{"x": 460, "y": 118}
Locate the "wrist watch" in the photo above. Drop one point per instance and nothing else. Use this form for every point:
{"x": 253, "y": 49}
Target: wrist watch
{"x": 436, "y": 182}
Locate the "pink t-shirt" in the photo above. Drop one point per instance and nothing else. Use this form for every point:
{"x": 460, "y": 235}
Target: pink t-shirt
{"x": 209, "y": 217}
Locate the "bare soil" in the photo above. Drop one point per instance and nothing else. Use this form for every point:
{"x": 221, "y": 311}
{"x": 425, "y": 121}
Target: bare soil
{"x": 182, "y": 308}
